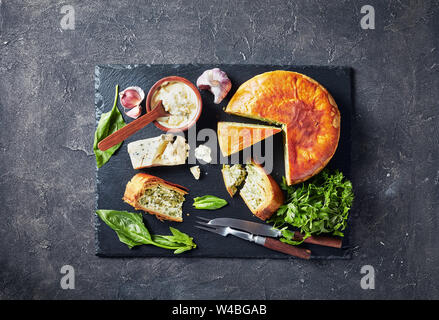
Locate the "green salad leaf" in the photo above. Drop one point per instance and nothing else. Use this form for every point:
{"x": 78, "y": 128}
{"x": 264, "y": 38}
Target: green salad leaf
{"x": 129, "y": 226}
{"x": 108, "y": 123}
{"x": 180, "y": 240}
{"x": 209, "y": 202}
{"x": 319, "y": 206}
{"x": 130, "y": 229}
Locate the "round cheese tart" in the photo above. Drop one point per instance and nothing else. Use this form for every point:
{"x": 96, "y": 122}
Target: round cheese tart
{"x": 307, "y": 112}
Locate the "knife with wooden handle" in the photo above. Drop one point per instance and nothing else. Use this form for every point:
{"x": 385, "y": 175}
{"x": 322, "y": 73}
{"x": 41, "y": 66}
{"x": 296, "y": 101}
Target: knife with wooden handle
{"x": 269, "y": 231}
{"x": 269, "y": 243}
{"x": 286, "y": 248}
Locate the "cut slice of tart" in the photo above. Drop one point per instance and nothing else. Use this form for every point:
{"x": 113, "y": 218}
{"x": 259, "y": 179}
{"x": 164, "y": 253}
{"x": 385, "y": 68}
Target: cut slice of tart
{"x": 155, "y": 196}
{"x": 260, "y": 191}
{"x": 306, "y": 110}
{"x": 234, "y": 136}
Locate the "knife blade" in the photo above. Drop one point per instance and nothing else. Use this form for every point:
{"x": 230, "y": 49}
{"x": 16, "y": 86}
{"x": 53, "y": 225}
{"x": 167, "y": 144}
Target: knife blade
{"x": 267, "y": 242}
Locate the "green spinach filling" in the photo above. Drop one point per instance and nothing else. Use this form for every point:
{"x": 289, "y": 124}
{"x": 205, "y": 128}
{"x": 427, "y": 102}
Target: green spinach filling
{"x": 159, "y": 198}
{"x": 234, "y": 176}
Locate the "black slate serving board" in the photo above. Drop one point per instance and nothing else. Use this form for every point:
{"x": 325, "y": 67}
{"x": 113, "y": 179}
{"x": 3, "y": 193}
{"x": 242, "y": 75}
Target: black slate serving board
{"x": 113, "y": 176}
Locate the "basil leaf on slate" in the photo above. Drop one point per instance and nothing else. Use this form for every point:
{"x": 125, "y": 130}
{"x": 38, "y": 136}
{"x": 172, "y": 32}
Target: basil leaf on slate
{"x": 128, "y": 226}
{"x": 209, "y": 202}
{"x": 108, "y": 123}
{"x": 130, "y": 229}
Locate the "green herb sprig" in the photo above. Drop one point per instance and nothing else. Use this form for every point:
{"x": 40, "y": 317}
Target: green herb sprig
{"x": 108, "y": 123}
{"x": 209, "y": 202}
{"x": 130, "y": 229}
{"x": 319, "y": 206}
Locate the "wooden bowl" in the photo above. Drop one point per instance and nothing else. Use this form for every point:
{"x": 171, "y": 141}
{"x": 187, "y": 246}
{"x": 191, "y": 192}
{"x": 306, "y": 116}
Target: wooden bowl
{"x": 175, "y": 79}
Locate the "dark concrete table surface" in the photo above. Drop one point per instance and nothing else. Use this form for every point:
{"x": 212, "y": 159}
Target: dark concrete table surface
{"x": 47, "y": 177}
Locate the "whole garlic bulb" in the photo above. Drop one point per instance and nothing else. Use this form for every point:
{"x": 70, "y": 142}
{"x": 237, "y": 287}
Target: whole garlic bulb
{"x": 217, "y": 82}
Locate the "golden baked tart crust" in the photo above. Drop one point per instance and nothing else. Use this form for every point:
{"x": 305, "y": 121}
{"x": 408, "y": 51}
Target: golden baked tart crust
{"x": 307, "y": 112}
{"x": 234, "y": 137}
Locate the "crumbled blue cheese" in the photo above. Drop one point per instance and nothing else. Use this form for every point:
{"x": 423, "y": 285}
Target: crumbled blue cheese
{"x": 203, "y": 152}
{"x": 195, "y": 170}
{"x": 164, "y": 150}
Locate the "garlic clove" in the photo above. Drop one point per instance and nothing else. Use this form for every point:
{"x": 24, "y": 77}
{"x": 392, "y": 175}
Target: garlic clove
{"x": 133, "y": 112}
{"x": 217, "y": 82}
{"x": 131, "y": 97}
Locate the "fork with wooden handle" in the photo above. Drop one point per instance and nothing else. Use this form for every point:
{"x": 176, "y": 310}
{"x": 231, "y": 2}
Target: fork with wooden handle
{"x": 268, "y": 231}
{"x": 132, "y": 127}
{"x": 269, "y": 243}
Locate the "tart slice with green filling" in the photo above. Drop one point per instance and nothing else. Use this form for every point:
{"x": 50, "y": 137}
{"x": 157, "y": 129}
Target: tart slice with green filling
{"x": 156, "y": 196}
{"x": 233, "y": 177}
{"x": 260, "y": 191}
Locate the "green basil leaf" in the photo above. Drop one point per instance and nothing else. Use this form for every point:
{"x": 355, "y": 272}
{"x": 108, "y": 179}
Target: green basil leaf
{"x": 183, "y": 249}
{"x": 165, "y": 241}
{"x": 129, "y": 226}
{"x": 108, "y": 123}
{"x": 179, "y": 241}
{"x": 129, "y": 242}
{"x": 180, "y": 236}
{"x": 209, "y": 202}
{"x": 130, "y": 229}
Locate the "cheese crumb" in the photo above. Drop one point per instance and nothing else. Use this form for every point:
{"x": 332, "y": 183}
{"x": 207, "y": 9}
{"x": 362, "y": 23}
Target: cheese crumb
{"x": 202, "y": 152}
{"x": 195, "y": 170}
